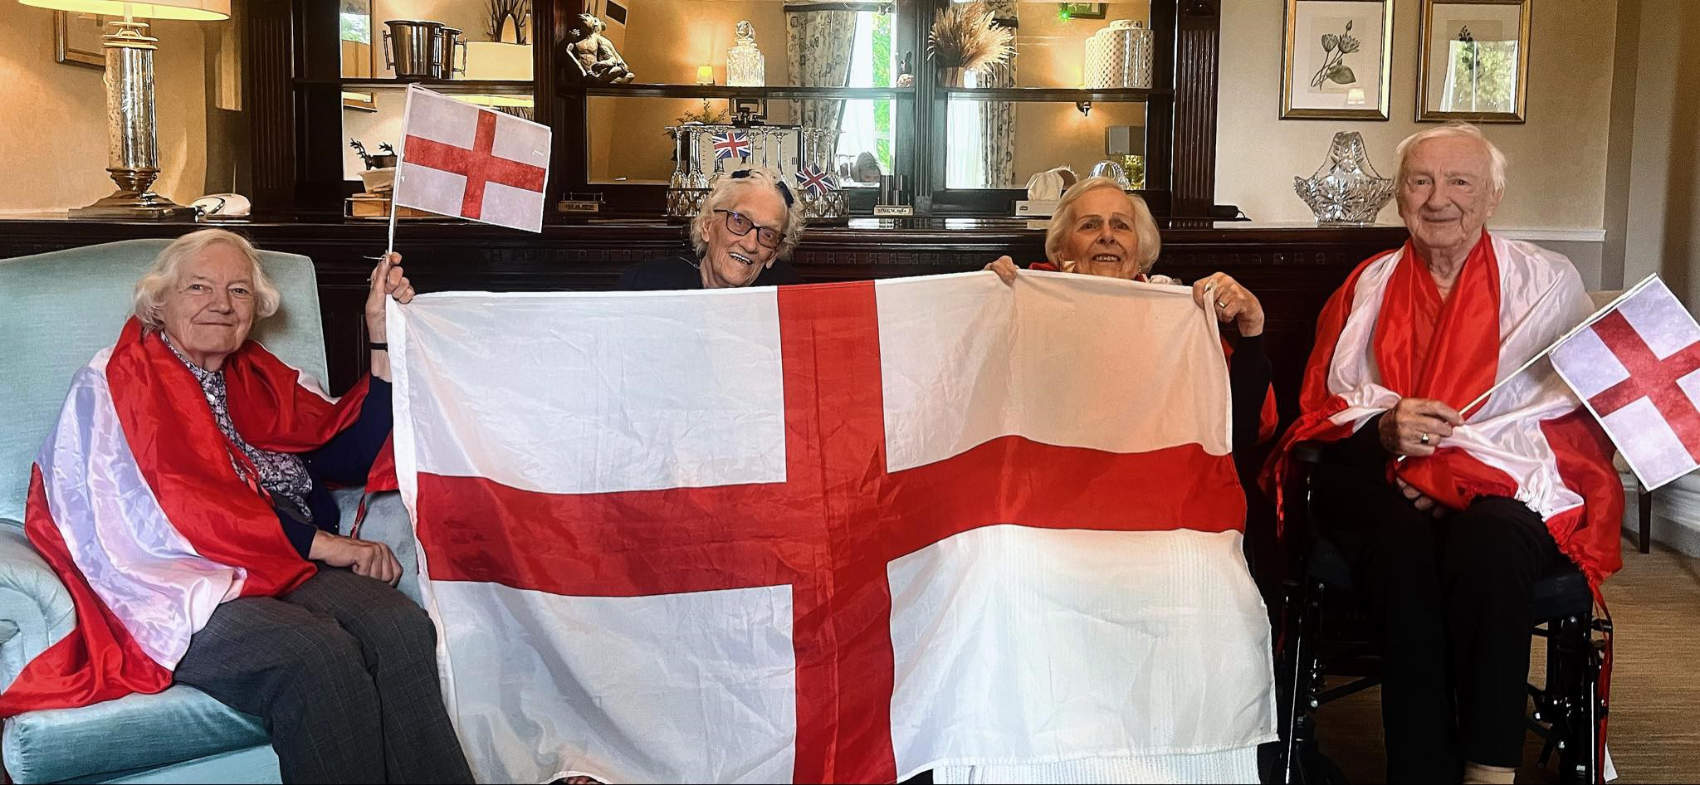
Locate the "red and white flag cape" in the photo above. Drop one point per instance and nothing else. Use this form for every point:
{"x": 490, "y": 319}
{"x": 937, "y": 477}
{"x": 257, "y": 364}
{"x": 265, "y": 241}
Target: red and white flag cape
{"x": 1530, "y": 441}
{"x": 135, "y": 503}
{"x": 471, "y": 161}
{"x": 1635, "y": 367}
{"x": 830, "y": 533}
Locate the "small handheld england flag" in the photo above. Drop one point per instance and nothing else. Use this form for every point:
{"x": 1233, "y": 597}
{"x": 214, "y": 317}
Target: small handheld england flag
{"x": 472, "y": 162}
{"x": 1637, "y": 367}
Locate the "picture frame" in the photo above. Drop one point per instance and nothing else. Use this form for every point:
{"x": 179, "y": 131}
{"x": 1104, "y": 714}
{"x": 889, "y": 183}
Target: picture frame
{"x": 1474, "y": 62}
{"x": 1336, "y": 59}
{"x": 76, "y": 39}
{"x": 1081, "y": 10}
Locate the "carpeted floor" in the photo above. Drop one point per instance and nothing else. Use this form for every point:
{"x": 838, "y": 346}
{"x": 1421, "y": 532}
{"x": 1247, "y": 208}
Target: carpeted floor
{"x": 1655, "y": 689}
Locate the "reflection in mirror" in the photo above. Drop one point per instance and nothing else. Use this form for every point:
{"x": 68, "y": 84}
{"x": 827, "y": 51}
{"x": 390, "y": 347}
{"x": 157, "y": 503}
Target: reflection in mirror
{"x": 983, "y": 151}
{"x": 356, "y": 24}
{"x": 1050, "y": 38}
{"x": 837, "y": 44}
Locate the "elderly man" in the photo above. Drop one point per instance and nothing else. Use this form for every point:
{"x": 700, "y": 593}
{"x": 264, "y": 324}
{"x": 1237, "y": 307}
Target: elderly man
{"x": 1449, "y": 513}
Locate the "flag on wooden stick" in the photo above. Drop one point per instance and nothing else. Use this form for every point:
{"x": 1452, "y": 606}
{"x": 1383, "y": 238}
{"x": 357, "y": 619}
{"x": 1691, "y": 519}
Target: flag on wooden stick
{"x": 1637, "y": 367}
{"x": 471, "y": 161}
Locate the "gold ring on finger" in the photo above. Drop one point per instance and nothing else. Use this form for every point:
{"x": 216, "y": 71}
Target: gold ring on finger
{"x": 1221, "y": 304}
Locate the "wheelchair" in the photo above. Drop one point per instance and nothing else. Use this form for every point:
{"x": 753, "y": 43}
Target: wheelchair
{"x": 1322, "y": 633}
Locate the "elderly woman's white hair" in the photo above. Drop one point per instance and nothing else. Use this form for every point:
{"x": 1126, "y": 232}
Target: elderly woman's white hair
{"x": 728, "y": 188}
{"x": 1456, "y": 129}
{"x": 1144, "y": 226}
{"x": 162, "y": 276}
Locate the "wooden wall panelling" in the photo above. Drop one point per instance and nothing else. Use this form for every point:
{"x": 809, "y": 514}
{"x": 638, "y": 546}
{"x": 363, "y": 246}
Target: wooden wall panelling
{"x": 1197, "y": 49}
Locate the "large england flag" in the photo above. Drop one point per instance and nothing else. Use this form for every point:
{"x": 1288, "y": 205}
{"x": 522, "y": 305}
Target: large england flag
{"x": 831, "y": 533}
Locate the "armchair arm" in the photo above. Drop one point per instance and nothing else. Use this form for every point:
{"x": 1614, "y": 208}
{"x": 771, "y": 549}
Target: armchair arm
{"x": 35, "y": 607}
{"x": 386, "y": 522}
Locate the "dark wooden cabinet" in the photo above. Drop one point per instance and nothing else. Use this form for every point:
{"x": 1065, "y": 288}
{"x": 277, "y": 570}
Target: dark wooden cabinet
{"x": 1291, "y": 269}
{"x": 294, "y": 105}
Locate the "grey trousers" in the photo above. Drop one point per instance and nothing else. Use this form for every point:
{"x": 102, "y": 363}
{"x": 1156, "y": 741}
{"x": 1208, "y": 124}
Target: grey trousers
{"x": 344, "y": 672}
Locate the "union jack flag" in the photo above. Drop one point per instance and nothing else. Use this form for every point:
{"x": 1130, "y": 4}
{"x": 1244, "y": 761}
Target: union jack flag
{"x": 730, "y": 143}
{"x": 815, "y": 180}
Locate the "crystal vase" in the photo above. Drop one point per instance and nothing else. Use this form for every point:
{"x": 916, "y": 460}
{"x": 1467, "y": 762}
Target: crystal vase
{"x": 1346, "y": 189}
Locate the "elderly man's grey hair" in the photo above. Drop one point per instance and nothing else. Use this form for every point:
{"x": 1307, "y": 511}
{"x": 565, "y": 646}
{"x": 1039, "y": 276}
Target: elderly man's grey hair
{"x": 728, "y": 188}
{"x": 162, "y": 276}
{"x": 1456, "y": 129}
{"x": 1144, "y": 226}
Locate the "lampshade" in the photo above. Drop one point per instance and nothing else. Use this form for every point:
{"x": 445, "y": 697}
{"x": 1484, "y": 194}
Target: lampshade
{"x": 191, "y": 10}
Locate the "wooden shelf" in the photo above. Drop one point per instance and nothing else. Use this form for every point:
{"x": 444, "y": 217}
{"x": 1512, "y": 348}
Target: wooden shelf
{"x": 1104, "y": 94}
{"x": 724, "y": 91}
{"x": 451, "y": 86}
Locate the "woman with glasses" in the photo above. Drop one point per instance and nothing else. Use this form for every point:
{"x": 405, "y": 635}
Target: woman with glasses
{"x": 748, "y": 225}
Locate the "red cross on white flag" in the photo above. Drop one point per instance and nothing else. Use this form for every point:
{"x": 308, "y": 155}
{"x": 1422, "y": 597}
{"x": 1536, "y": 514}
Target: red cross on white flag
{"x": 472, "y": 162}
{"x": 821, "y": 534}
{"x": 1638, "y": 369}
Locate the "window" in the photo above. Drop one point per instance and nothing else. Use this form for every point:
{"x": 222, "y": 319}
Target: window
{"x": 866, "y": 131}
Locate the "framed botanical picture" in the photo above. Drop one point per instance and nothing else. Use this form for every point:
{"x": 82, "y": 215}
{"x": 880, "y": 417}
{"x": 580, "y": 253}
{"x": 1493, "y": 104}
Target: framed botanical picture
{"x": 1475, "y": 61}
{"x": 1335, "y": 59}
{"x": 76, "y": 39}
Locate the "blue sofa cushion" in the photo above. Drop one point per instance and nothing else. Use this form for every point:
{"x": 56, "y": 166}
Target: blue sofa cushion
{"x": 132, "y": 732}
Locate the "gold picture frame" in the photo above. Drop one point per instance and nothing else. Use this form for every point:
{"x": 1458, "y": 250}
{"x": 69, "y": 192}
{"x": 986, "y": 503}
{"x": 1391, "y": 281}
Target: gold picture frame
{"x": 76, "y": 39}
{"x": 1474, "y": 64}
{"x": 1336, "y": 59}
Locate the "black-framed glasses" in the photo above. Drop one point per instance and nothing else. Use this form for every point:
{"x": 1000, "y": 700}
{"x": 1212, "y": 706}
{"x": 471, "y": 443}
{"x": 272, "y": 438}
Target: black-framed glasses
{"x": 784, "y": 190}
{"x": 740, "y": 225}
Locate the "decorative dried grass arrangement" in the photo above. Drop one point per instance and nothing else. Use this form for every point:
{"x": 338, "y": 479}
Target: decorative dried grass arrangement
{"x": 966, "y": 36}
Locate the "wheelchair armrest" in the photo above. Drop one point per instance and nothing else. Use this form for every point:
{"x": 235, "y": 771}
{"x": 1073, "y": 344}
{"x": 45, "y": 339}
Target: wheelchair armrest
{"x": 35, "y": 607}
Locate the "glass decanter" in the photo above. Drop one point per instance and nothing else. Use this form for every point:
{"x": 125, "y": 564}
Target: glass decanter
{"x": 744, "y": 64}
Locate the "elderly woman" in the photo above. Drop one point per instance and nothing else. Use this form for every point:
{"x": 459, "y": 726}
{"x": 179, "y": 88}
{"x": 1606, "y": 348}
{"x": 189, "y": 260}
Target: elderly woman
{"x": 748, "y": 226}
{"x": 207, "y": 547}
{"x": 1099, "y": 229}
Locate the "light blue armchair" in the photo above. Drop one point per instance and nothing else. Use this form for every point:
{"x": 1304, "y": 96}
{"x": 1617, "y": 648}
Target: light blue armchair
{"x": 56, "y": 310}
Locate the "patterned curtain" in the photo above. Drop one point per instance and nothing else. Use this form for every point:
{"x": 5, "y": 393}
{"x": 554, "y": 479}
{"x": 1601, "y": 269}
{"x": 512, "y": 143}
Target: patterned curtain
{"x": 818, "y": 45}
{"x": 997, "y": 118}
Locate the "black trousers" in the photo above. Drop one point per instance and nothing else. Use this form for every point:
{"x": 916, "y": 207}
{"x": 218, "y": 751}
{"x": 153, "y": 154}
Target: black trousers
{"x": 1450, "y": 601}
{"x": 344, "y": 672}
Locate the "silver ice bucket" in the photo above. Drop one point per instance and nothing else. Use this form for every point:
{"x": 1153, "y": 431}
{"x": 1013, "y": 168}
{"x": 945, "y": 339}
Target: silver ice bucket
{"x": 414, "y": 48}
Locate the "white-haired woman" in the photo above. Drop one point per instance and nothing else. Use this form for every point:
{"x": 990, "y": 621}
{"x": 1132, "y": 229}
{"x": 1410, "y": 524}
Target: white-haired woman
{"x": 204, "y": 498}
{"x": 747, "y": 227}
{"x": 1099, "y": 229}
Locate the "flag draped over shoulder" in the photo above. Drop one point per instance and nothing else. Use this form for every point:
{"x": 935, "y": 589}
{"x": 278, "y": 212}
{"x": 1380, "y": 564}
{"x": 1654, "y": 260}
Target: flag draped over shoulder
{"x": 831, "y": 533}
{"x": 135, "y": 502}
{"x": 1387, "y": 334}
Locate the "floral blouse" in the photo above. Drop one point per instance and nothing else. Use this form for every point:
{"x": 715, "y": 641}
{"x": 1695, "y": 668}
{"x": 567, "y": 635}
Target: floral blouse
{"x": 281, "y": 474}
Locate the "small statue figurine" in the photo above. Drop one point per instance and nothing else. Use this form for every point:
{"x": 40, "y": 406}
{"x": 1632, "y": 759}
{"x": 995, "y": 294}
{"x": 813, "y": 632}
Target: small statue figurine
{"x": 745, "y": 66}
{"x": 594, "y": 55}
{"x": 906, "y": 70}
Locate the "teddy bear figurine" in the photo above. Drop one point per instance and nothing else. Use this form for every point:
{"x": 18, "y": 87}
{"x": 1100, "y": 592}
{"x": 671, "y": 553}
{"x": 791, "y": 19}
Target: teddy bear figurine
{"x": 594, "y": 55}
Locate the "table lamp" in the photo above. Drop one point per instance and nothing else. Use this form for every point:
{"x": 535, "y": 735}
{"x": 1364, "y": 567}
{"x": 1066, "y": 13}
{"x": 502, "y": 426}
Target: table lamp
{"x": 132, "y": 157}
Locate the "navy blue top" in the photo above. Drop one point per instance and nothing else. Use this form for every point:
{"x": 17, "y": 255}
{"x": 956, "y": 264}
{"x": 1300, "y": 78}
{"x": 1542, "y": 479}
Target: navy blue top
{"x": 343, "y": 461}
